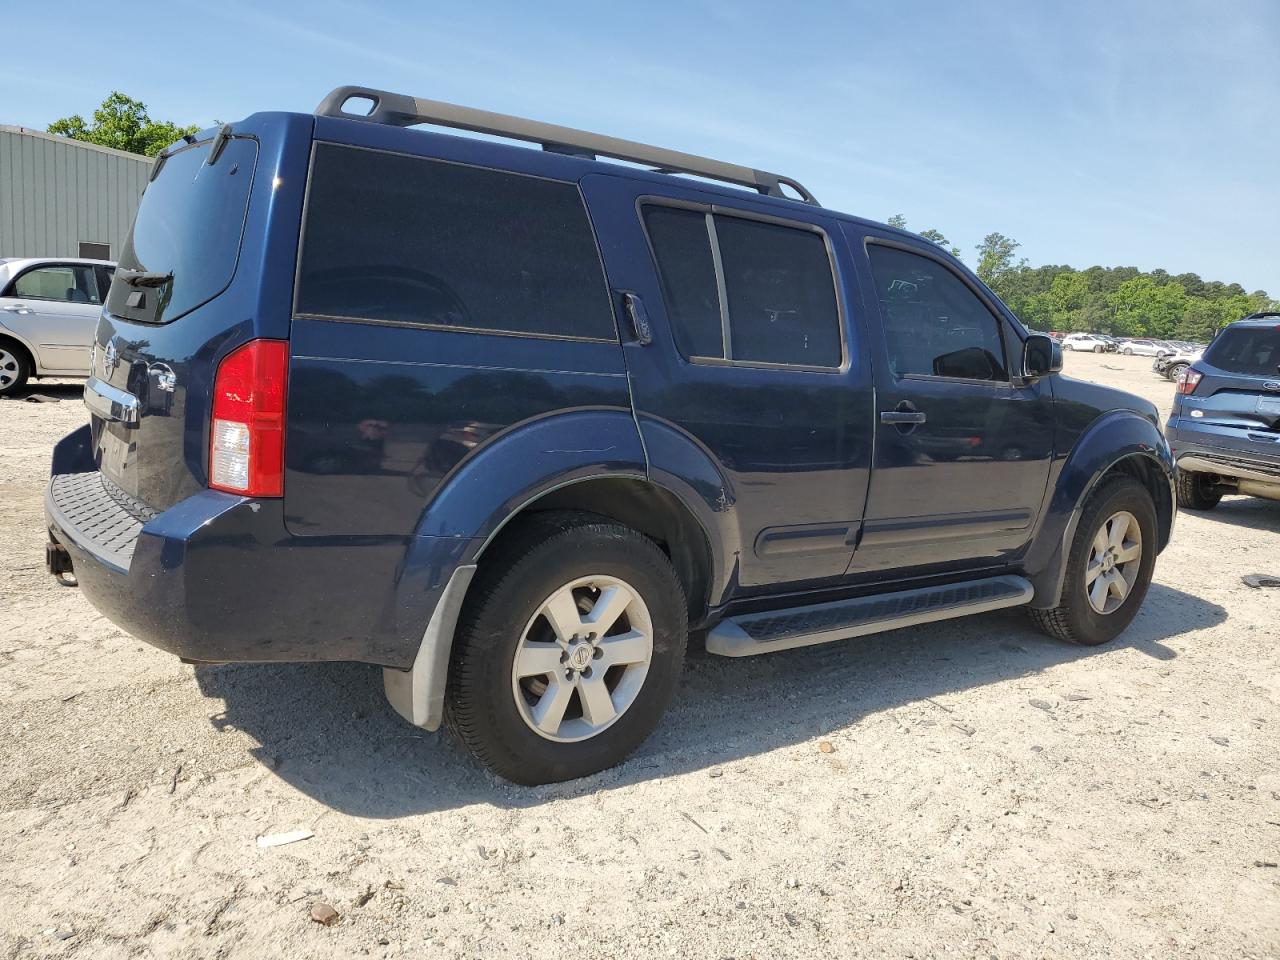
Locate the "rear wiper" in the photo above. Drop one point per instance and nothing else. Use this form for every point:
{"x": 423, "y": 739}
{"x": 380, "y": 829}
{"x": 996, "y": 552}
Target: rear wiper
{"x": 143, "y": 278}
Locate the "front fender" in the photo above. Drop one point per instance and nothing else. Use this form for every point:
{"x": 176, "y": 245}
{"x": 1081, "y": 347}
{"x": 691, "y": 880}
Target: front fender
{"x": 1111, "y": 438}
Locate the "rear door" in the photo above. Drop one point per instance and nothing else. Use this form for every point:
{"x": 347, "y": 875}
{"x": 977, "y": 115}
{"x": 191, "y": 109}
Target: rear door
{"x": 755, "y": 368}
{"x": 1238, "y": 397}
{"x": 56, "y": 306}
{"x": 963, "y": 446}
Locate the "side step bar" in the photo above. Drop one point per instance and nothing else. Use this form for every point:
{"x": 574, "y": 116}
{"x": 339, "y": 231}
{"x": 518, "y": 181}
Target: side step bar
{"x": 773, "y": 630}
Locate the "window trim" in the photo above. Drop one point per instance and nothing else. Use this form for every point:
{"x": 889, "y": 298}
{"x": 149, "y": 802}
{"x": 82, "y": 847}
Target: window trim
{"x": 449, "y": 328}
{"x": 712, "y": 209}
{"x": 11, "y": 287}
{"x": 1009, "y": 379}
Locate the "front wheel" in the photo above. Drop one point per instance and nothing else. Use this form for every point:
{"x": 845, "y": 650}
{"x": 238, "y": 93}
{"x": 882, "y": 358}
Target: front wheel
{"x": 1128, "y": 351}
{"x": 569, "y": 650}
{"x": 1109, "y": 567}
{"x": 1174, "y": 371}
{"x": 1197, "y": 491}
{"x": 1099, "y": 348}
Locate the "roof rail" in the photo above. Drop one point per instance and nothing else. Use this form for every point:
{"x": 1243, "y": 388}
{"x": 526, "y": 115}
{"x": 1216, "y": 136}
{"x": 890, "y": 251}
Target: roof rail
{"x": 400, "y": 110}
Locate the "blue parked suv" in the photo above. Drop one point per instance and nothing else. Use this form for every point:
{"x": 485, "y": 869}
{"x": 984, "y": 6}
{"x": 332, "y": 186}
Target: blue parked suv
{"x": 1225, "y": 424}
{"x": 511, "y": 423}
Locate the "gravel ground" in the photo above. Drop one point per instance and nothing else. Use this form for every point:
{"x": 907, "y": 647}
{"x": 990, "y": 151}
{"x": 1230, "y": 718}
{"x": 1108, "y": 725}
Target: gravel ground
{"x": 969, "y": 788}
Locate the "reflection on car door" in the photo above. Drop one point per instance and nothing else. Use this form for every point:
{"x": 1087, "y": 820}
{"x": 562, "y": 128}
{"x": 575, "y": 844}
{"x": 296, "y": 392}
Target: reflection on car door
{"x": 963, "y": 445}
{"x": 56, "y": 307}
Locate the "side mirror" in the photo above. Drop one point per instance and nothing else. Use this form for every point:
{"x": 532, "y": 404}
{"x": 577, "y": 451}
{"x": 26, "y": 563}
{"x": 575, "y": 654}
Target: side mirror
{"x": 1041, "y": 356}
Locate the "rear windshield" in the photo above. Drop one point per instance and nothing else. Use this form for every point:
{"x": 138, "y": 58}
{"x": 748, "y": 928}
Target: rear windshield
{"x": 186, "y": 236}
{"x": 1254, "y": 351}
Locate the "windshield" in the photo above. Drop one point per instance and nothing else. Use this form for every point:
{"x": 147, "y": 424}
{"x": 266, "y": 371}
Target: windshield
{"x": 1254, "y": 351}
{"x": 185, "y": 241}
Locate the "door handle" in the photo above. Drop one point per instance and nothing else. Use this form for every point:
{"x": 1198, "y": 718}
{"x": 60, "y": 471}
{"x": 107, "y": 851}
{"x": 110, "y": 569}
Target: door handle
{"x": 638, "y": 317}
{"x": 903, "y": 413}
{"x": 18, "y": 308}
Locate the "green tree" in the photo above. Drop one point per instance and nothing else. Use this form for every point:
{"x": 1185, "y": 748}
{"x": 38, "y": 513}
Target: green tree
{"x": 1144, "y": 308}
{"x": 898, "y": 221}
{"x": 935, "y": 236}
{"x": 995, "y": 264}
{"x": 123, "y": 123}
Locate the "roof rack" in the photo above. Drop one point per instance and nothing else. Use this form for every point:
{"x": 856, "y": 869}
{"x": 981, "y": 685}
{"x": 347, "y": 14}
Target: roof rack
{"x": 400, "y": 110}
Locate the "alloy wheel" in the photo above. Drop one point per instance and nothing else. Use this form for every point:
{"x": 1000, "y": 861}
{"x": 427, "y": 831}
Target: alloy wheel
{"x": 1115, "y": 558}
{"x": 582, "y": 659}
{"x": 8, "y": 369}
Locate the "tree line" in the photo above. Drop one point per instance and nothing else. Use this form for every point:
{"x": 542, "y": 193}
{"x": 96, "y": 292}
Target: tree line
{"x": 1121, "y": 301}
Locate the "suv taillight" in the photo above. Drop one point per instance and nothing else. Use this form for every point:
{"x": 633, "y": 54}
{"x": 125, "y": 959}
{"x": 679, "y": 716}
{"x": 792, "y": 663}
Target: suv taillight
{"x": 1188, "y": 380}
{"x": 246, "y": 432}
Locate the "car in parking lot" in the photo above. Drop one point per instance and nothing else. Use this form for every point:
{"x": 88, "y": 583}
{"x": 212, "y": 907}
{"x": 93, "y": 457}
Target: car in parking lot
{"x": 1171, "y": 365}
{"x": 1225, "y": 426}
{"x": 48, "y": 312}
{"x": 511, "y": 423}
{"x": 1141, "y": 348}
{"x": 1091, "y": 342}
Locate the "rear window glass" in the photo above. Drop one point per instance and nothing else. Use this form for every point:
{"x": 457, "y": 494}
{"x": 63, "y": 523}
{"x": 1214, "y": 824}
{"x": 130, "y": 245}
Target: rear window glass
{"x": 188, "y": 228}
{"x": 407, "y": 240}
{"x": 1249, "y": 350}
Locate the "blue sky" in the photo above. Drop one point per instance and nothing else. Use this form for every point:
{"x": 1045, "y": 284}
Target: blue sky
{"x": 1144, "y": 134}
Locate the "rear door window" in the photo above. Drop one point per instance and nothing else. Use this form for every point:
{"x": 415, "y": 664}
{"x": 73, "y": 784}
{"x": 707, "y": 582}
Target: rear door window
{"x": 745, "y": 290}
{"x": 934, "y": 324}
{"x": 1252, "y": 351}
{"x": 412, "y": 241}
{"x": 63, "y": 282}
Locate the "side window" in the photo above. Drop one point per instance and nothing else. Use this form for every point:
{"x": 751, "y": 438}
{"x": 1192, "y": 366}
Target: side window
{"x": 782, "y": 297}
{"x": 64, "y": 282}
{"x": 409, "y": 240}
{"x": 682, "y": 247}
{"x": 933, "y": 323}
{"x": 779, "y": 298}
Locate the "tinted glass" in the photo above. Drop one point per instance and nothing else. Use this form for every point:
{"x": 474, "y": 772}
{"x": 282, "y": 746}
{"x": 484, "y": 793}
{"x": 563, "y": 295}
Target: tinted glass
{"x": 782, "y": 298}
{"x": 933, "y": 323}
{"x": 1254, "y": 351}
{"x": 408, "y": 240}
{"x": 682, "y": 247}
{"x": 189, "y": 225}
{"x": 67, "y": 283}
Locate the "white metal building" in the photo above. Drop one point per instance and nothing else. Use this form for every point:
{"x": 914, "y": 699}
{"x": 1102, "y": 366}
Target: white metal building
{"x": 65, "y": 198}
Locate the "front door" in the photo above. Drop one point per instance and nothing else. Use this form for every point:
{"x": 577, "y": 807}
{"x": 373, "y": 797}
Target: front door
{"x": 963, "y": 443}
{"x": 755, "y": 388}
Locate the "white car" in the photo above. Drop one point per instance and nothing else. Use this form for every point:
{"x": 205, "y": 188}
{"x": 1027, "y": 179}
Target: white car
{"x": 48, "y": 312}
{"x": 1091, "y": 342}
{"x": 1142, "y": 348}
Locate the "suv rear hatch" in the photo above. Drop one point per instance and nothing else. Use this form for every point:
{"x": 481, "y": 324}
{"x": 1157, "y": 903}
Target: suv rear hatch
{"x": 1238, "y": 394}
{"x": 199, "y": 275}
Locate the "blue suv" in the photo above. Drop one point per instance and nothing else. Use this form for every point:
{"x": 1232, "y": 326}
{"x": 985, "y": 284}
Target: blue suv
{"x": 1225, "y": 425}
{"x": 512, "y": 423}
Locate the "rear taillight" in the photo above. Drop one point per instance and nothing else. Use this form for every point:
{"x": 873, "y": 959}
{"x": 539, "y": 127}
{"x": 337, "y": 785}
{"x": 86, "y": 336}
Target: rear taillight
{"x": 1188, "y": 380}
{"x": 246, "y": 432}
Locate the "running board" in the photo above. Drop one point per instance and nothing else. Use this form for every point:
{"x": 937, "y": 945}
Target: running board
{"x": 773, "y": 630}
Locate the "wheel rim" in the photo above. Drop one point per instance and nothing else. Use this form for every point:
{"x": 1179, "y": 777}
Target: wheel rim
{"x": 8, "y": 369}
{"x": 582, "y": 659}
{"x": 1115, "y": 557}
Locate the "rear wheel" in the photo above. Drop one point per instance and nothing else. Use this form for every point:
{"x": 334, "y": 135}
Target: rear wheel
{"x": 1098, "y": 348}
{"x": 1109, "y": 567}
{"x": 1197, "y": 491}
{"x": 569, "y": 650}
{"x": 15, "y": 368}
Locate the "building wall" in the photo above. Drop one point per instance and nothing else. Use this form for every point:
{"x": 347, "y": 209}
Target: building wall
{"x": 55, "y": 193}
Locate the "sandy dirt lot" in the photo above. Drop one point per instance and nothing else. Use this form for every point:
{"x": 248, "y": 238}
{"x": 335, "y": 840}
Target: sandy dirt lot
{"x": 989, "y": 792}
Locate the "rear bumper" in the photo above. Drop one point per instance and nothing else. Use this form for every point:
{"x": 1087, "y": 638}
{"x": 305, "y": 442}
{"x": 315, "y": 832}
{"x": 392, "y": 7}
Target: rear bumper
{"x": 218, "y": 578}
{"x": 1233, "y": 457}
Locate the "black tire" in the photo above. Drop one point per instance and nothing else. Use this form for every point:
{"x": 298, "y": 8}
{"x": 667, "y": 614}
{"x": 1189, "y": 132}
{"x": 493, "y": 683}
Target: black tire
{"x": 1098, "y": 348}
{"x": 1196, "y": 491}
{"x": 551, "y": 551}
{"x": 1074, "y": 618}
{"x": 1128, "y": 351}
{"x": 1173, "y": 371}
{"x": 15, "y": 367}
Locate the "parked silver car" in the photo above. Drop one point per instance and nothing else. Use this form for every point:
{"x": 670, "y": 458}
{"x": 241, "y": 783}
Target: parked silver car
{"x": 1142, "y": 348}
{"x": 48, "y": 311}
